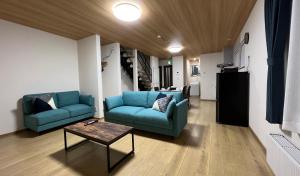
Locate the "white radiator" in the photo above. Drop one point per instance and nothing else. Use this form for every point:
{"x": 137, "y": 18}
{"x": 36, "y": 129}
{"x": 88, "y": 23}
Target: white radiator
{"x": 283, "y": 156}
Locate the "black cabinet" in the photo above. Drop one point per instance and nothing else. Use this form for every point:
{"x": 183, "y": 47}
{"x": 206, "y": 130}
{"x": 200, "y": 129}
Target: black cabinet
{"x": 233, "y": 98}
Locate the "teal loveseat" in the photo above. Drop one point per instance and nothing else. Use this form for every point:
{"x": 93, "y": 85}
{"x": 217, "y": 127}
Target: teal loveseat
{"x": 135, "y": 109}
{"x": 71, "y": 107}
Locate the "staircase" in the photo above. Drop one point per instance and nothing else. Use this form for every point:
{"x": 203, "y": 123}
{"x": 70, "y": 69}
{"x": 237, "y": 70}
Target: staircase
{"x": 144, "y": 69}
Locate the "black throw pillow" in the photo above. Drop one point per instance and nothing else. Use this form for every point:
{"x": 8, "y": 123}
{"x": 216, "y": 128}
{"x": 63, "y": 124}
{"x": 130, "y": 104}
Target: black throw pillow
{"x": 161, "y": 95}
{"x": 41, "y": 106}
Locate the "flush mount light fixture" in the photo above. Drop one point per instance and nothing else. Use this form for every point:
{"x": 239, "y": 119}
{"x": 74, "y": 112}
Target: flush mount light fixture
{"x": 175, "y": 48}
{"x": 126, "y": 11}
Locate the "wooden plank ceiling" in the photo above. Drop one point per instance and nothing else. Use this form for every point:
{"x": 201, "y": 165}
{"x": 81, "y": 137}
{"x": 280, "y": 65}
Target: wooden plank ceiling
{"x": 202, "y": 26}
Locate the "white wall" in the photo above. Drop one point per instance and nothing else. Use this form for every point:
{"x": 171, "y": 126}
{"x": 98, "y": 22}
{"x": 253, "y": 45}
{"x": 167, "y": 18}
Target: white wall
{"x": 127, "y": 82}
{"x": 208, "y": 70}
{"x": 89, "y": 58}
{"x": 111, "y": 76}
{"x": 188, "y": 72}
{"x": 178, "y": 71}
{"x": 154, "y": 64}
{"x": 228, "y": 55}
{"x": 163, "y": 62}
{"x": 135, "y": 71}
{"x": 257, "y": 52}
{"x": 32, "y": 61}
{"x": 185, "y": 80}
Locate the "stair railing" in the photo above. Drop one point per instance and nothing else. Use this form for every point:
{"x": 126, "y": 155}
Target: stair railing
{"x": 145, "y": 64}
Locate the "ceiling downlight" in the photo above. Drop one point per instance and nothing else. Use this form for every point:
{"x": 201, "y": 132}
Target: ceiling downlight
{"x": 126, "y": 11}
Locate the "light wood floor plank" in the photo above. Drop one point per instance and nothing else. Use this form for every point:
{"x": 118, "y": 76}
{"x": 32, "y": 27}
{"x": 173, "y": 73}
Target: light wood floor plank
{"x": 203, "y": 149}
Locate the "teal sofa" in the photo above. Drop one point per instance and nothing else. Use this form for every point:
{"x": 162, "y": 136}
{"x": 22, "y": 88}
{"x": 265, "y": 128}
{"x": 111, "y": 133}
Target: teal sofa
{"x": 71, "y": 107}
{"x": 135, "y": 109}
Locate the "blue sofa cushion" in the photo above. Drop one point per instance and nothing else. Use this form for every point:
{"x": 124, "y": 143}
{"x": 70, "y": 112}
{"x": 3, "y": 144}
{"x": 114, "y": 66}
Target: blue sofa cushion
{"x": 138, "y": 98}
{"x": 48, "y": 116}
{"x": 113, "y": 102}
{"x": 67, "y": 98}
{"x": 153, "y": 118}
{"x": 124, "y": 113}
{"x": 78, "y": 109}
{"x": 87, "y": 99}
{"x": 152, "y": 95}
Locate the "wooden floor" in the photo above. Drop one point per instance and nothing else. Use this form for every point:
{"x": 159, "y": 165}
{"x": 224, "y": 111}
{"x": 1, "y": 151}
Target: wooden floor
{"x": 203, "y": 148}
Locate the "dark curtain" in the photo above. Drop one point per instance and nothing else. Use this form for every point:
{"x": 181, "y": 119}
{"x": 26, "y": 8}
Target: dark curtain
{"x": 277, "y": 24}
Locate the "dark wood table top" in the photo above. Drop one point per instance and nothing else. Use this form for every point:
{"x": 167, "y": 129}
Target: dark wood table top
{"x": 103, "y": 132}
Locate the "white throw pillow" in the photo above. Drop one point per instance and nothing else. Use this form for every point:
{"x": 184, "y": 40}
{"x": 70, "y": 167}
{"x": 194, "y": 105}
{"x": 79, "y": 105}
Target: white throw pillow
{"x": 51, "y": 103}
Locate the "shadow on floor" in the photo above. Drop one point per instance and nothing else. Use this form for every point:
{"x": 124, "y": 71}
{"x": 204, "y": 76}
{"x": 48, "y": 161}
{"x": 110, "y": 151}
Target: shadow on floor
{"x": 193, "y": 106}
{"x": 190, "y": 136}
{"x": 89, "y": 159}
{"x": 26, "y": 134}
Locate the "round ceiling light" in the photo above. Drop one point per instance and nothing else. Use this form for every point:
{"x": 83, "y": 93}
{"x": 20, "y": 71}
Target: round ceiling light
{"x": 127, "y": 11}
{"x": 175, "y": 49}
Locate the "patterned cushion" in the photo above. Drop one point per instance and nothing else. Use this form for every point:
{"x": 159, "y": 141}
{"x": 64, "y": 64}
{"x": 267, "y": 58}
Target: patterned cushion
{"x": 162, "y": 103}
{"x": 160, "y": 95}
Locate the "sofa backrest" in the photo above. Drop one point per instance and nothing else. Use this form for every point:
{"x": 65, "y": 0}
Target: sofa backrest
{"x": 61, "y": 99}
{"x": 152, "y": 95}
{"x": 27, "y": 102}
{"x": 146, "y": 98}
{"x": 67, "y": 98}
{"x": 177, "y": 95}
{"x": 135, "y": 98}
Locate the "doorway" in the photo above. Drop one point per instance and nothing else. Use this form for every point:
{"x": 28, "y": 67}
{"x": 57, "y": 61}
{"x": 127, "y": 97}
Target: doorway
{"x": 168, "y": 76}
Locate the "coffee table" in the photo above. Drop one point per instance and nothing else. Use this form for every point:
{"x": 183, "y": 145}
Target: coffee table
{"x": 104, "y": 133}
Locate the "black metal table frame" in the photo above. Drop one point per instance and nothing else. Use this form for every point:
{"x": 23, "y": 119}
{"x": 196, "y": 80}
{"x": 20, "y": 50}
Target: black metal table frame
{"x": 109, "y": 167}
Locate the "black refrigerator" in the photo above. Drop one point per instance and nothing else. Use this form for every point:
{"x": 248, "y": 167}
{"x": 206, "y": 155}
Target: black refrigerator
{"x": 233, "y": 98}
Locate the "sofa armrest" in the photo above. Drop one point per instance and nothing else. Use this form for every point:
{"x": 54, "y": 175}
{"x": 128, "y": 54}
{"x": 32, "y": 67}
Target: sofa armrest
{"x": 180, "y": 116}
{"x": 113, "y": 102}
{"x": 87, "y": 99}
{"x": 170, "y": 108}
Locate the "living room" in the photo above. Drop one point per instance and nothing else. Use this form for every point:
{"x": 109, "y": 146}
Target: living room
{"x": 138, "y": 88}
